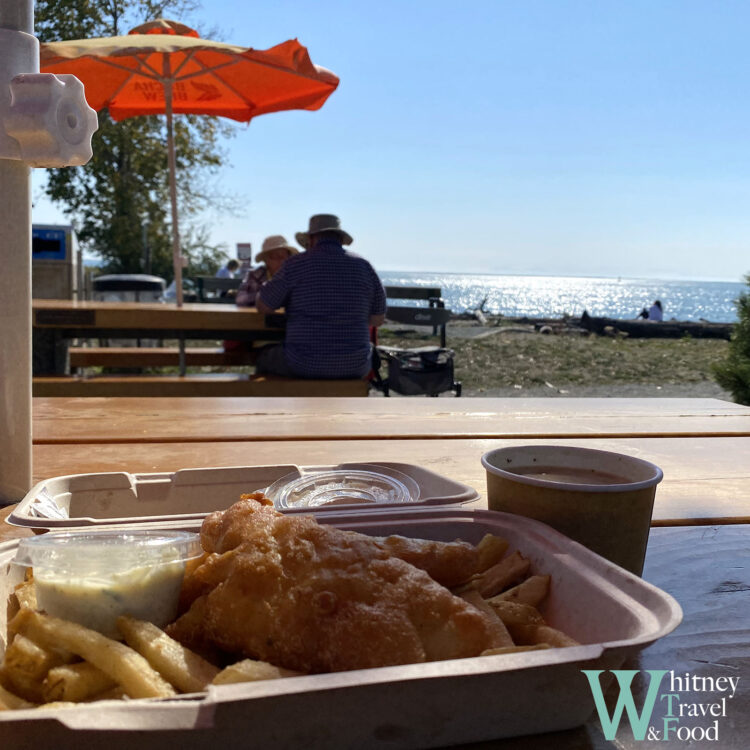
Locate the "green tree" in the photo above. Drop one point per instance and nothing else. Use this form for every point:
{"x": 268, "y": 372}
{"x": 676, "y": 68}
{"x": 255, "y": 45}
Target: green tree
{"x": 733, "y": 373}
{"x": 119, "y": 202}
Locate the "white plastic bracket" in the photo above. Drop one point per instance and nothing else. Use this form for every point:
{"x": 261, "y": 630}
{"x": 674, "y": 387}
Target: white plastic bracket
{"x": 44, "y": 119}
{"x": 50, "y": 120}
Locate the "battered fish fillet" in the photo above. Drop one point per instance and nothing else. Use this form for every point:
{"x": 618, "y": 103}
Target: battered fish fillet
{"x": 313, "y": 598}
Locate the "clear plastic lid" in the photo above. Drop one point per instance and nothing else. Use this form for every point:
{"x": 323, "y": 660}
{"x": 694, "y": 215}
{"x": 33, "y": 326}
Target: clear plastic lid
{"x": 102, "y": 552}
{"x": 343, "y": 487}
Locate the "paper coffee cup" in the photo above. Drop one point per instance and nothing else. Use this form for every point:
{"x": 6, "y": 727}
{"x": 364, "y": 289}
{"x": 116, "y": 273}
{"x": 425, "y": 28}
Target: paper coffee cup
{"x": 601, "y": 499}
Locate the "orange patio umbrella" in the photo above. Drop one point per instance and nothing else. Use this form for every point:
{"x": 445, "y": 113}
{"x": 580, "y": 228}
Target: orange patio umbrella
{"x": 164, "y": 67}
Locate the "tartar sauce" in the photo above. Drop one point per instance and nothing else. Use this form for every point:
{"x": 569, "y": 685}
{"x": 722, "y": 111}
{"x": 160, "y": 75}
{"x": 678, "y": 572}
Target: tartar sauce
{"x": 148, "y": 592}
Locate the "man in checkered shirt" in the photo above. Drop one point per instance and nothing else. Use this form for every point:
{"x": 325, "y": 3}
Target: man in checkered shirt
{"x": 332, "y": 297}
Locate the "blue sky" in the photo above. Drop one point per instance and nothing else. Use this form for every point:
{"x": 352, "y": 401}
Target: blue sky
{"x": 504, "y": 136}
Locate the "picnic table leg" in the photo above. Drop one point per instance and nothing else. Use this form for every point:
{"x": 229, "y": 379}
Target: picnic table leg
{"x": 49, "y": 352}
{"x": 182, "y": 354}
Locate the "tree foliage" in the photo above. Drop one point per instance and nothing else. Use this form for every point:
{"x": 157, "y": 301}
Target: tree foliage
{"x": 119, "y": 202}
{"x": 733, "y": 373}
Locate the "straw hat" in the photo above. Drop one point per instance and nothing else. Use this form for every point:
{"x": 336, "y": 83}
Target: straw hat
{"x": 323, "y": 223}
{"x": 274, "y": 242}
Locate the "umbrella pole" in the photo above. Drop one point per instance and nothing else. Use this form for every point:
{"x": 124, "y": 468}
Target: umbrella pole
{"x": 176, "y": 252}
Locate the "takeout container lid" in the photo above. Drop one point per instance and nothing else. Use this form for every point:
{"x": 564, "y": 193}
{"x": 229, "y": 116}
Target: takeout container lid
{"x": 611, "y": 612}
{"x": 120, "y": 497}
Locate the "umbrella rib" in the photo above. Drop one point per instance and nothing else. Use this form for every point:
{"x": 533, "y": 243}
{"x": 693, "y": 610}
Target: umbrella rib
{"x": 206, "y": 69}
{"x": 146, "y": 66}
{"x": 143, "y": 67}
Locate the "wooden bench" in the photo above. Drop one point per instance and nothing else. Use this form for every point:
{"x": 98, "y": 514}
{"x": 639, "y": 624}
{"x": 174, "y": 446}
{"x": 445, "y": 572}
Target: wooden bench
{"x": 157, "y": 356}
{"x": 214, "y": 384}
{"x": 434, "y": 314}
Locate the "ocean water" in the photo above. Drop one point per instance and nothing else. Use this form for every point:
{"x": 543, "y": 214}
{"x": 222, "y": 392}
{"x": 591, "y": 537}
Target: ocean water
{"x": 554, "y": 296}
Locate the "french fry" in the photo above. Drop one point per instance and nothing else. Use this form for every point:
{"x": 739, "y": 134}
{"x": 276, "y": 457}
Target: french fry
{"x": 23, "y": 655}
{"x": 125, "y": 666}
{"x": 501, "y": 575}
{"x": 183, "y": 668}
{"x": 500, "y": 631}
{"x": 250, "y": 670}
{"x": 23, "y": 595}
{"x": 9, "y": 700}
{"x": 491, "y": 549}
{"x": 26, "y": 665}
{"x": 26, "y": 594}
{"x": 514, "y": 649}
{"x": 60, "y": 654}
{"x": 531, "y": 591}
{"x": 516, "y": 613}
{"x": 534, "y": 634}
{"x": 74, "y": 683}
{"x": 21, "y": 684}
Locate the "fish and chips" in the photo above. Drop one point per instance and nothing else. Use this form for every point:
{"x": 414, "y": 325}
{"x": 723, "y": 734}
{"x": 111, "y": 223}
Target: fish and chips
{"x": 277, "y": 595}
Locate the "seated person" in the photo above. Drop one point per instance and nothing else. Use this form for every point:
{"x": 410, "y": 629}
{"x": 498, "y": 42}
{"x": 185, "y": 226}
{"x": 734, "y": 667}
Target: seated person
{"x": 331, "y": 297}
{"x": 655, "y": 312}
{"x": 229, "y": 270}
{"x": 274, "y": 252}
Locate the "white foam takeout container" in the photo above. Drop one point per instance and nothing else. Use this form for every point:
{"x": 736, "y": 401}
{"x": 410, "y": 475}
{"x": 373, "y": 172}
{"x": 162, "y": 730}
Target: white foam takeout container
{"x": 188, "y": 494}
{"x": 611, "y": 612}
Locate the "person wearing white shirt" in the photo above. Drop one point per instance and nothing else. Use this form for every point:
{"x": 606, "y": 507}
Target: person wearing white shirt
{"x": 228, "y": 271}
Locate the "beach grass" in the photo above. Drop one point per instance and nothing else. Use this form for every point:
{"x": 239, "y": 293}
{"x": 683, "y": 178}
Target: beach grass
{"x": 512, "y": 357}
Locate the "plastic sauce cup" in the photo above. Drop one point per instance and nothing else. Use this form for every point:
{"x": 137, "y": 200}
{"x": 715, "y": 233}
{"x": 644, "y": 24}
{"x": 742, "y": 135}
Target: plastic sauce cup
{"x": 93, "y": 577}
{"x": 601, "y": 499}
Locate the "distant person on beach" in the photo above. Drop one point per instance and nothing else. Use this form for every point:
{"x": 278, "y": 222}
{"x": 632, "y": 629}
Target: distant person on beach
{"x": 331, "y": 297}
{"x": 229, "y": 270}
{"x": 274, "y": 252}
{"x": 655, "y": 312}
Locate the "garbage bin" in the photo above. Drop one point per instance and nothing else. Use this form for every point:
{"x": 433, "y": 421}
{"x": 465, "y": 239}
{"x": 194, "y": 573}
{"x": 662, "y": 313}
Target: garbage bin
{"x": 128, "y": 287}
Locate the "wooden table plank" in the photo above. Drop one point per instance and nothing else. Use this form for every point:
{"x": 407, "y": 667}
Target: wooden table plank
{"x": 706, "y": 480}
{"x": 144, "y": 315}
{"x": 213, "y": 419}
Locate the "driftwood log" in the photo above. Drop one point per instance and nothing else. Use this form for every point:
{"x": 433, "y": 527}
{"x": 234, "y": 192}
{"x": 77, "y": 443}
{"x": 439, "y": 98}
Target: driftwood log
{"x": 651, "y": 329}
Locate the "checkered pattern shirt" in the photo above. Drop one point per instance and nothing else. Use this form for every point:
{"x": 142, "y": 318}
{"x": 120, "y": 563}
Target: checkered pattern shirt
{"x": 329, "y": 295}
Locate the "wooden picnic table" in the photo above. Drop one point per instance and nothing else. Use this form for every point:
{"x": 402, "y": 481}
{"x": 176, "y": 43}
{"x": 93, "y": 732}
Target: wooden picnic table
{"x": 126, "y": 319}
{"x": 55, "y": 322}
{"x": 100, "y": 420}
{"x": 699, "y": 552}
{"x": 704, "y": 479}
